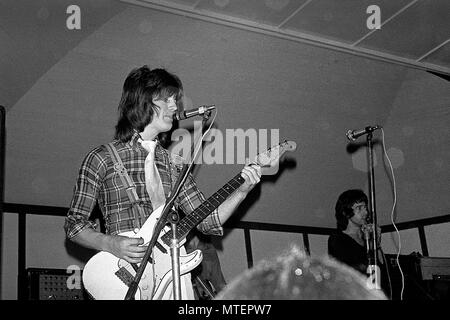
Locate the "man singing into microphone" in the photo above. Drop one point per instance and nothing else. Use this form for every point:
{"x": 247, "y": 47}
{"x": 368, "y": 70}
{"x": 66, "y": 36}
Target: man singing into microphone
{"x": 348, "y": 244}
{"x": 146, "y": 111}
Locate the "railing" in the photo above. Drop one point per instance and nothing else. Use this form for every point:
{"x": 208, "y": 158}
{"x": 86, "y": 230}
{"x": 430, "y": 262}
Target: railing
{"x": 2, "y": 177}
{"x": 24, "y": 209}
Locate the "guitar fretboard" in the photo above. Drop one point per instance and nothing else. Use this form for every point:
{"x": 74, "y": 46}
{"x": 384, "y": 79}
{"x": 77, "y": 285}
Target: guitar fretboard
{"x": 201, "y": 212}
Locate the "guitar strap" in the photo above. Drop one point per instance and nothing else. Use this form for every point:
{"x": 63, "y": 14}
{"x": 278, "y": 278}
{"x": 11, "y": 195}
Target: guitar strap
{"x": 128, "y": 184}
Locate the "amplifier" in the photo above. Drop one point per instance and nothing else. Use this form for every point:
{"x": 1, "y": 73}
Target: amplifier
{"x": 53, "y": 284}
{"x": 412, "y": 287}
{"x": 410, "y": 265}
{"x": 425, "y": 278}
{"x": 434, "y": 268}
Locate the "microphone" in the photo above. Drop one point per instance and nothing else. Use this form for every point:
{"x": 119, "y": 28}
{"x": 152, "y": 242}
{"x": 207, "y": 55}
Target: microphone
{"x": 352, "y": 135}
{"x": 367, "y": 235}
{"x": 367, "y": 229}
{"x": 181, "y": 115}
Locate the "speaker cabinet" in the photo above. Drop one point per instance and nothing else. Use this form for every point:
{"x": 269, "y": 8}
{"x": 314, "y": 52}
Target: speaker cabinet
{"x": 410, "y": 286}
{"x": 424, "y": 278}
{"x": 54, "y": 284}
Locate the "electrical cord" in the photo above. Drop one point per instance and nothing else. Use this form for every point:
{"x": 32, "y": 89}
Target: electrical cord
{"x": 392, "y": 218}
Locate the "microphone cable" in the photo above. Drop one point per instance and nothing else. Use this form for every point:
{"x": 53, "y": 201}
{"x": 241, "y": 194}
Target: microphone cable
{"x": 392, "y": 218}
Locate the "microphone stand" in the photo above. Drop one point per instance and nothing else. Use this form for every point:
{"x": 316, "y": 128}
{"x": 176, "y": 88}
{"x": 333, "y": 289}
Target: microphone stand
{"x": 174, "y": 219}
{"x": 175, "y": 257}
{"x": 158, "y": 228}
{"x": 372, "y": 248}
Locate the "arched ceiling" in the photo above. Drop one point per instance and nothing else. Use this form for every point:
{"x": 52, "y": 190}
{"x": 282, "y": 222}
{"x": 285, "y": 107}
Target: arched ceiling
{"x": 415, "y": 33}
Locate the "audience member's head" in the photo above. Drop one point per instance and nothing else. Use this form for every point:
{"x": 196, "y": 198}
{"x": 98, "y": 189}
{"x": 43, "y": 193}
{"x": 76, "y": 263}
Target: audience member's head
{"x": 296, "y": 276}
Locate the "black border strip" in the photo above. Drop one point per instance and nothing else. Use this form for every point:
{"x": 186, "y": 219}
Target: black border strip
{"x": 306, "y": 243}
{"x": 279, "y": 227}
{"x": 62, "y": 211}
{"x": 21, "y": 259}
{"x": 248, "y": 248}
{"x": 423, "y": 240}
{"x": 416, "y": 223}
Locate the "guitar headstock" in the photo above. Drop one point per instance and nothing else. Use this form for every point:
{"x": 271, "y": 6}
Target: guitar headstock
{"x": 271, "y": 157}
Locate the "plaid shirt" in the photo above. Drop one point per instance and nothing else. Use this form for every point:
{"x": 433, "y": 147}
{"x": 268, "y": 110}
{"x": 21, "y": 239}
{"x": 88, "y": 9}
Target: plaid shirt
{"x": 99, "y": 182}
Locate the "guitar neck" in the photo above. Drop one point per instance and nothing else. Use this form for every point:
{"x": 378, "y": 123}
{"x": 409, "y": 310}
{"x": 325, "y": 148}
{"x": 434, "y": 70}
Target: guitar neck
{"x": 201, "y": 212}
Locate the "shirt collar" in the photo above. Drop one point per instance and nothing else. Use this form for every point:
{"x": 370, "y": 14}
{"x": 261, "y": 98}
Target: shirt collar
{"x": 135, "y": 141}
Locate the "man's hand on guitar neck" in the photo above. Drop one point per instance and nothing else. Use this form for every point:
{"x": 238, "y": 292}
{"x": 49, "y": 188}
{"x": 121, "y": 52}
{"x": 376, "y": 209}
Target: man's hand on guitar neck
{"x": 252, "y": 175}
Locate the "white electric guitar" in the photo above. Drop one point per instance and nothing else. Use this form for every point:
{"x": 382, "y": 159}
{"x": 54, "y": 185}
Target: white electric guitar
{"x": 106, "y": 277}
